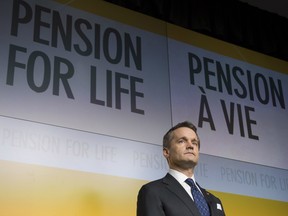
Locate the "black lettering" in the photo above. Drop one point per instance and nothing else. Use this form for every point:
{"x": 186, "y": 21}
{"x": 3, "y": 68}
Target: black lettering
{"x": 109, "y": 88}
{"x": 224, "y": 77}
{"x": 97, "y": 41}
{"x": 249, "y": 122}
{"x": 250, "y": 86}
{"x": 228, "y": 119}
{"x": 240, "y": 118}
{"x": 278, "y": 92}
{"x": 195, "y": 66}
{"x": 208, "y": 73}
{"x": 16, "y": 19}
{"x": 31, "y": 71}
{"x": 88, "y": 46}
{"x": 12, "y": 63}
{"x": 109, "y": 45}
{"x": 38, "y": 23}
{"x": 134, "y": 94}
{"x": 58, "y": 27}
{"x": 118, "y": 89}
{"x": 64, "y": 77}
{"x": 93, "y": 89}
{"x": 136, "y": 54}
{"x": 243, "y": 91}
{"x": 205, "y": 106}
{"x": 259, "y": 78}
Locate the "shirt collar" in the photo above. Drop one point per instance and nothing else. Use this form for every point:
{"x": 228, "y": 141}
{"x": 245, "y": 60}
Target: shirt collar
{"x": 180, "y": 177}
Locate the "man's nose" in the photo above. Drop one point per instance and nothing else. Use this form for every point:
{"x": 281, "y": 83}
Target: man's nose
{"x": 189, "y": 145}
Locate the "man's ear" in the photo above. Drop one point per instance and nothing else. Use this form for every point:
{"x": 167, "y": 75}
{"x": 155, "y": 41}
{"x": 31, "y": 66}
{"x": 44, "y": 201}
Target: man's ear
{"x": 166, "y": 152}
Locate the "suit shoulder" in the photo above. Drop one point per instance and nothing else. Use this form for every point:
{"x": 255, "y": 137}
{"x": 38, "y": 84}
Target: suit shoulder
{"x": 153, "y": 184}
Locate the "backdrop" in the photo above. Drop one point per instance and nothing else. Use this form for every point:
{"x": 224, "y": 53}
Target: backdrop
{"x": 88, "y": 89}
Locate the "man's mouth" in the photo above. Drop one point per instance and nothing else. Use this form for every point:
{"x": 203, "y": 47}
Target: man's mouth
{"x": 190, "y": 153}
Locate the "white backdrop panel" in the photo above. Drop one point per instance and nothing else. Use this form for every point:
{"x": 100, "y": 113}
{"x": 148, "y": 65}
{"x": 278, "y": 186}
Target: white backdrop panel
{"x": 223, "y": 118}
{"x": 117, "y": 84}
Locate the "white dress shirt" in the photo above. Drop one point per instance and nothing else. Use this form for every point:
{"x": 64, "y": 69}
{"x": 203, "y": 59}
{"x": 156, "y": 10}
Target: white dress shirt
{"x": 180, "y": 177}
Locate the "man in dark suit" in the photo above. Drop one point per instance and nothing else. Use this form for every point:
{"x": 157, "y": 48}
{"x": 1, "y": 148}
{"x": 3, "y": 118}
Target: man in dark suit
{"x": 178, "y": 194}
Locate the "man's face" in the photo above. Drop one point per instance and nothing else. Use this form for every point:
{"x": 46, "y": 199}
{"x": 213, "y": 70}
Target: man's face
{"x": 183, "y": 152}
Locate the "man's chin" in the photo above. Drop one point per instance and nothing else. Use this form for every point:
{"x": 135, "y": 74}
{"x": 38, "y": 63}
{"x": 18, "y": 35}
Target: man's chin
{"x": 191, "y": 164}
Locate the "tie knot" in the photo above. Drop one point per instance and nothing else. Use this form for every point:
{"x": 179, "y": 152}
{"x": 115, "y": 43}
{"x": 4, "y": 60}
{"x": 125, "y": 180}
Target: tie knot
{"x": 190, "y": 182}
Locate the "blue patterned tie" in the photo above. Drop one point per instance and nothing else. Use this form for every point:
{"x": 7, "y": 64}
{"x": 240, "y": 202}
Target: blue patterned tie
{"x": 198, "y": 198}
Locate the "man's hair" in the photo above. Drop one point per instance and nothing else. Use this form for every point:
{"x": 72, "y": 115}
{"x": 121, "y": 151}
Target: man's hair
{"x": 169, "y": 135}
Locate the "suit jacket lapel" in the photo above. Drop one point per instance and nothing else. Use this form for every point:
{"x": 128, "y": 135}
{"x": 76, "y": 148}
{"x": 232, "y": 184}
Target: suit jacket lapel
{"x": 173, "y": 185}
{"x": 207, "y": 197}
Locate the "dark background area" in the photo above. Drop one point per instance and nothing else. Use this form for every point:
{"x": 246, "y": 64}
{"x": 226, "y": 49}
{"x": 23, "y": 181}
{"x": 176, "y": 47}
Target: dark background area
{"x": 233, "y": 21}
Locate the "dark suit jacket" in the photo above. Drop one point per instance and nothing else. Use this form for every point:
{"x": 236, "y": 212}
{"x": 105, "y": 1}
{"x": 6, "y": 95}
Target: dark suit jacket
{"x": 166, "y": 197}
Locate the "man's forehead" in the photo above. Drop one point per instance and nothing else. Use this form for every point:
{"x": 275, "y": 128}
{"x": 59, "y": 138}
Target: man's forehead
{"x": 184, "y": 131}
